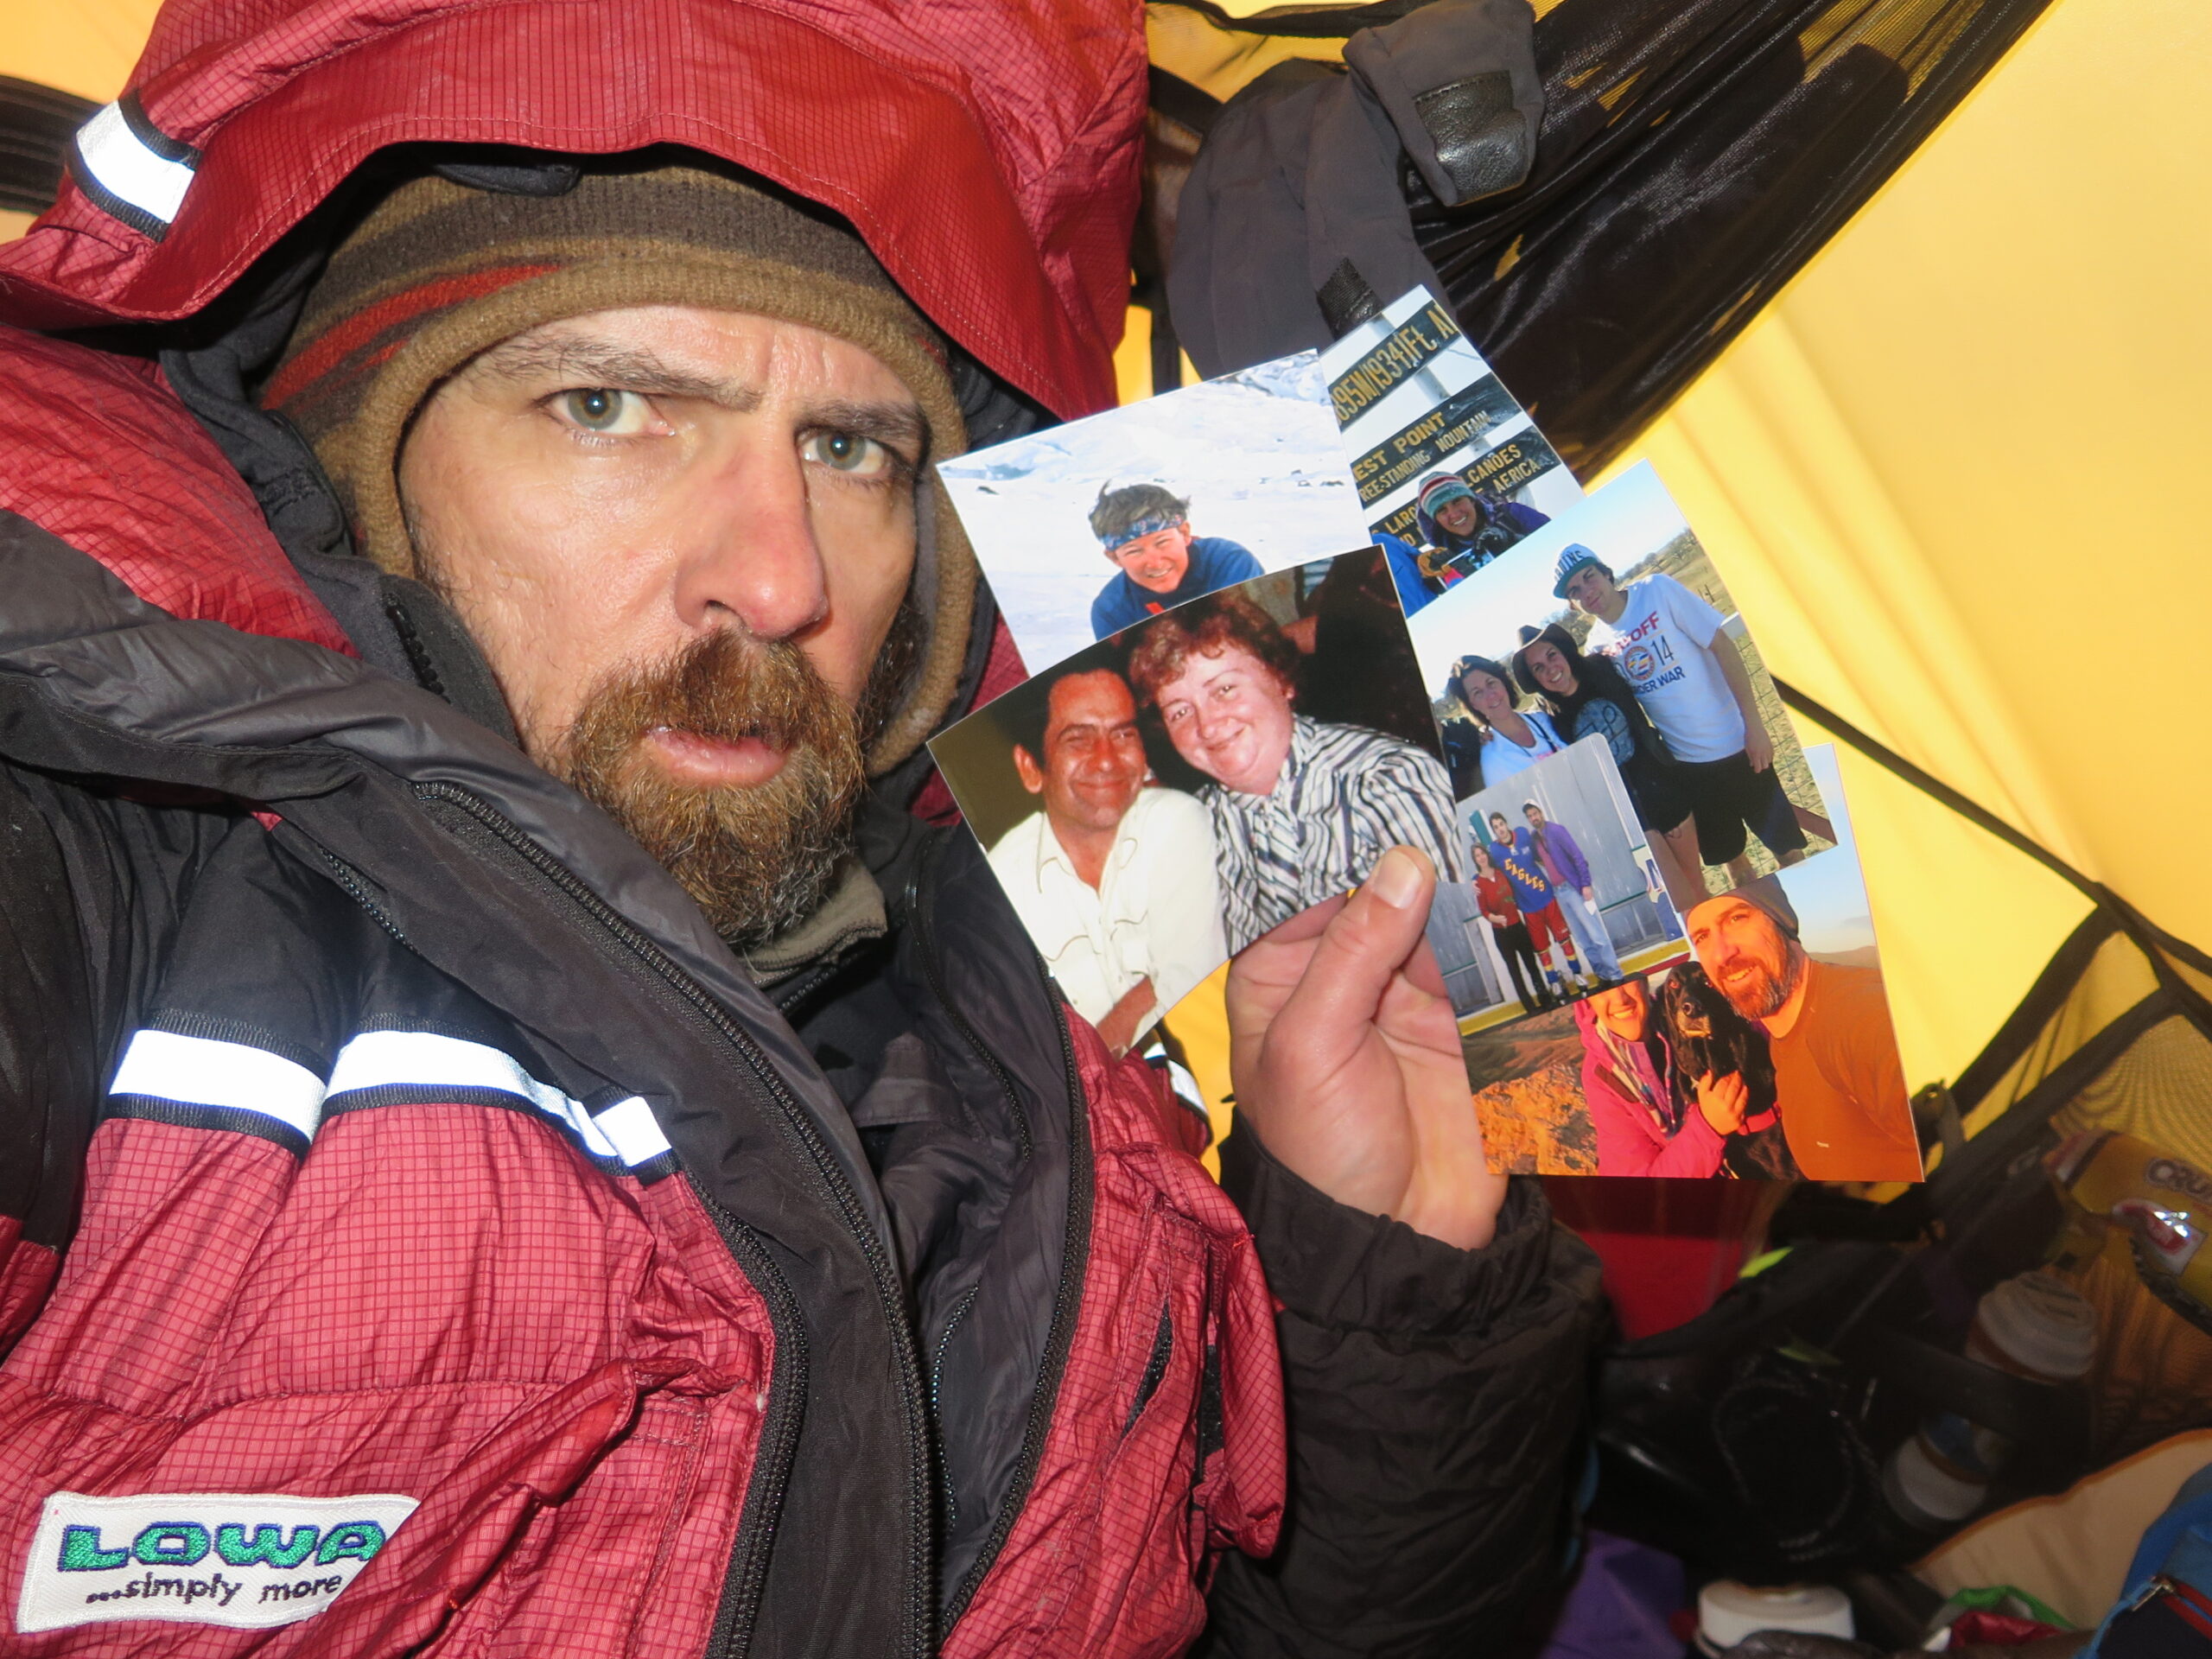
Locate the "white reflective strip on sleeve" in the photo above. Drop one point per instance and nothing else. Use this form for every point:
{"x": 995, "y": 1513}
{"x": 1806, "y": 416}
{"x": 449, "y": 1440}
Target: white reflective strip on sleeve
{"x": 377, "y": 1060}
{"x": 629, "y": 1126}
{"x": 119, "y": 159}
{"x": 595, "y": 1141}
{"x": 201, "y": 1072}
{"x": 423, "y": 1060}
{"x": 1186, "y": 1086}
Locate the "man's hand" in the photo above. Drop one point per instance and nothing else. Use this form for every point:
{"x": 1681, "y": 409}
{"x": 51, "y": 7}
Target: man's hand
{"x": 1721, "y": 1102}
{"x": 1345, "y": 1058}
{"x": 1590, "y": 897}
{"x": 1119, "y": 1028}
{"x": 1759, "y": 747}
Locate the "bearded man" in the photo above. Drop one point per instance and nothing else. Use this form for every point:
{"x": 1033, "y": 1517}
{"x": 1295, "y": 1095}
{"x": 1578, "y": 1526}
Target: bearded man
{"x": 517, "y": 1141}
{"x": 1839, "y": 1084}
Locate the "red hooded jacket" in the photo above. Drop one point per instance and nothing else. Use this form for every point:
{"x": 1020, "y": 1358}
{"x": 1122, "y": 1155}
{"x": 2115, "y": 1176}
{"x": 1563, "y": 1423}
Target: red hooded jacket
{"x": 530, "y": 1349}
{"x": 417, "y": 1234}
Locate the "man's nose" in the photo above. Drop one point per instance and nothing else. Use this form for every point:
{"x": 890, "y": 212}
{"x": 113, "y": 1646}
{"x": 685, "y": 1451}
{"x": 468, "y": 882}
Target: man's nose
{"x": 749, "y": 553}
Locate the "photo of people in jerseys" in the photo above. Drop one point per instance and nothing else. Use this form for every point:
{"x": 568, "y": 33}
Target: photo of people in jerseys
{"x": 1086, "y": 528}
{"x": 1563, "y": 899}
{"x": 1163, "y": 799}
{"x": 1531, "y": 894}
{"x": 1768, "y": 1053}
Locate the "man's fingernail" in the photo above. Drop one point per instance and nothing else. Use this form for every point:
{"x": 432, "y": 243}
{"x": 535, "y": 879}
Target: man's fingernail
{"x": 1396, "y": 879}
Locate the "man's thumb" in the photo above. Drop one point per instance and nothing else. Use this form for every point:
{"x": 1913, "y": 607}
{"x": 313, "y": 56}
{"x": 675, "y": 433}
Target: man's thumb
{"x": 1399, "y": 877}
{"x": 1365, "y": 942}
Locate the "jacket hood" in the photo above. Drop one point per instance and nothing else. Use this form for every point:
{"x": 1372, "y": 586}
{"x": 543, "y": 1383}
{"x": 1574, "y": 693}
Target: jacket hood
{"x": 989, "y": 161}
{"x": 989, "y": 156}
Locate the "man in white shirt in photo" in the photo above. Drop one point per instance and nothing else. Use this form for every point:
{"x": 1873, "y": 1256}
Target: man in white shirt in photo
{"x": 1686, "y": 673}
{"x": 1114, "y": 879}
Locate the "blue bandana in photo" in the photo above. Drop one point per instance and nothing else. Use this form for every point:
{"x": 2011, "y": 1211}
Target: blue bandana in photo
{"x": 1150, "y": 524}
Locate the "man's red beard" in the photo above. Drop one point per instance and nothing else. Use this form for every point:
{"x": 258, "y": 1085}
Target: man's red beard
{"x": 759, "y": 859}
{"x": 1770, "y": 983}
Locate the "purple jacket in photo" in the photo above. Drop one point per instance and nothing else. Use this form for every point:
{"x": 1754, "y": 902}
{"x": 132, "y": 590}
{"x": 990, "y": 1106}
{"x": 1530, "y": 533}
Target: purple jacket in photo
{"x": 1563, "y": 860}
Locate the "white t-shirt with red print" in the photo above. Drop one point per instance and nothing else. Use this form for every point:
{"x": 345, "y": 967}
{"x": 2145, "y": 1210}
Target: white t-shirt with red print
{"x": 1663, "y": 647}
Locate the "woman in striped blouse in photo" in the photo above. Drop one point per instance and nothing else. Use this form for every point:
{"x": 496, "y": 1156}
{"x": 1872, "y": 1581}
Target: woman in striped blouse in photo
{"x": 1301, "y": 808}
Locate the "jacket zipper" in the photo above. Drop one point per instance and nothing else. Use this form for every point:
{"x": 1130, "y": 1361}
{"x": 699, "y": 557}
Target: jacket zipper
{"x": 937, "y": 1378}
{"x": 732, "y": 1633}
{"x": 1074, "y": 1254}
{"x": 730, "y": 1627}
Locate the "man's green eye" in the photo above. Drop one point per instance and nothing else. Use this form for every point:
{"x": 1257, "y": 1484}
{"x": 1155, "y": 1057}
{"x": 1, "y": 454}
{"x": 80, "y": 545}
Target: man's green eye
{"x": 847, "y": 452}
{"x": 600, "y": 409}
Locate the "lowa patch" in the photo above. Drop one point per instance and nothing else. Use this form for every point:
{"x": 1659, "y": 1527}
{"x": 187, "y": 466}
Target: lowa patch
{"x": 252, "y": 1560}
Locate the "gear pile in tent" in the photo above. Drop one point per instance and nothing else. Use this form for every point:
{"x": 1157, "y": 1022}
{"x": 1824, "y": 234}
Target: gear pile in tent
{"x": 1907, "y": 327}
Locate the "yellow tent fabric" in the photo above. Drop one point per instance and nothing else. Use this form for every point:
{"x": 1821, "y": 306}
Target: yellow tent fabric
{"x": 1958, "y": 466}
{"x": 85, "y": 47}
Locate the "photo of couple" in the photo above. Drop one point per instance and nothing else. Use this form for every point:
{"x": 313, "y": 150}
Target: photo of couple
{"x": 1450, "y": 468}
{"x": 1611, "y": 621}
{"x": 1768, "y": 1054}
{"x": 1157, "y": 801}
{"x": 1086, "y": 528}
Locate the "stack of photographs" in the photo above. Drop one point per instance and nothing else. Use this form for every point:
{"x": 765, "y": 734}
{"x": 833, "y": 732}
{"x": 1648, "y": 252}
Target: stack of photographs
{"x": 1283, "y": 621}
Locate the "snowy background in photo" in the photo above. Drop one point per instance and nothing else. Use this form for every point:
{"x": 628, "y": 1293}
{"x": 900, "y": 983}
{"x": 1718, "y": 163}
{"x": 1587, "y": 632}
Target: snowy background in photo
{"x": 1256, "y": 453}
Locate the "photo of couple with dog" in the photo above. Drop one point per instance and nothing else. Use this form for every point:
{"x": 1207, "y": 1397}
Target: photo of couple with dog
{"x": 1767, "y": 1054}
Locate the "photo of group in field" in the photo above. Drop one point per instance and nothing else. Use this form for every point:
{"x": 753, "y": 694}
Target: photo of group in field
{"x": 1160, "y": 800}
{"x": 1086, "y": 528}
{"x": 1611, "y": 621}
{"x": 1768, "y": 1053}
{"x": 1450, "y": 468}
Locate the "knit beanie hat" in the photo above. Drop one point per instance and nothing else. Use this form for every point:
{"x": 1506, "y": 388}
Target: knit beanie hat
{"x": 1765, "y": 893}
{"x": 440, "y": 272}
{"x": 1441, "y": 489}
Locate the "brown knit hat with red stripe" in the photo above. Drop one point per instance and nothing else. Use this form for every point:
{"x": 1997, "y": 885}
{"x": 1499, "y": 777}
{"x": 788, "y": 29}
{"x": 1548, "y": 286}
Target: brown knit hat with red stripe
{"x": 440, "y": 272}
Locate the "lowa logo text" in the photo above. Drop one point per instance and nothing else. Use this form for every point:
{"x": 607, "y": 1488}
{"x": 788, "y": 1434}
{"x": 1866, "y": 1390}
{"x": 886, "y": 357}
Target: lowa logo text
{"x": 248, "y": 1559}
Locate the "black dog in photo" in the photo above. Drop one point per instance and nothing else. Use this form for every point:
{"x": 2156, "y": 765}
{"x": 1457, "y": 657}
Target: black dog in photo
{"x": 1706, "y": 1035}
